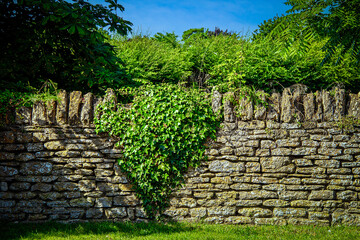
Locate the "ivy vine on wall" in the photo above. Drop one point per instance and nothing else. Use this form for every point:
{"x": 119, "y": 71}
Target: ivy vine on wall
{"x": 162, "y": 134}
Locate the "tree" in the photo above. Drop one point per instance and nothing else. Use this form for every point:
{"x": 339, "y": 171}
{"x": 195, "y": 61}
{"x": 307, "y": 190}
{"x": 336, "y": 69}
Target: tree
{"x": 338, "y": 21}
{"x": 60, "y": 41}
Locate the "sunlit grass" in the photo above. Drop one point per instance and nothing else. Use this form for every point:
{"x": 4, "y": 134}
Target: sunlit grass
{"x": 113, "y": 230}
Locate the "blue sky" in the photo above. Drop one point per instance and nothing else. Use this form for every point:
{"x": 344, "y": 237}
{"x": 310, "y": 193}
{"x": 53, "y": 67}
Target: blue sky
{"x": 241, "y": 16}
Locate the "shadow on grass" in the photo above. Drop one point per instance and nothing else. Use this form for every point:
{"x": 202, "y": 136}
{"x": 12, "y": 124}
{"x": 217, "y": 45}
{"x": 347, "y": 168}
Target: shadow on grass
{"x": 54, "y": 229}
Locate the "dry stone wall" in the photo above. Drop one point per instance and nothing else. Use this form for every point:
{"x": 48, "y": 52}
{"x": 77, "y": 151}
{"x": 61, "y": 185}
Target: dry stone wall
{"x": 289, "y": 163}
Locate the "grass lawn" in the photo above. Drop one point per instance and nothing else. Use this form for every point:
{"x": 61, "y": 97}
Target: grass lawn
{"x": 113, "y": 230}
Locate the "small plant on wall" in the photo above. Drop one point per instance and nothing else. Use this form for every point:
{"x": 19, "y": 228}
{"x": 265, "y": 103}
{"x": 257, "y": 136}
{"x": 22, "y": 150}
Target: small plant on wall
{"x": 162, "y": 135}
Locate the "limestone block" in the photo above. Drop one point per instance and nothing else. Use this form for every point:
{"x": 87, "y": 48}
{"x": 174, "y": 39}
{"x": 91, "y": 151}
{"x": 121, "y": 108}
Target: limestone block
{"x": 347, "y": 195}
{"x": 293, "y": 195}
{"x": 287, "y": 107}
{"x": 345, "y": 218}
{"x": 354, "y": 106}
{"x": 20, "y": 186}
{"x": 319, "y": 112}
{"x": 87, "y": 112}
{"x": 309, "y": 107}
{"x": 276, "y": 203}
{"x": 322, "y": 195}
{"x": 75, "y": 104}
{"x": 253, "y": 167}
{"x": 222, "y": 211}
{"x": 260, "y": 110}
{"x": 246, "y": 108}
{"x": 103, "y": 202}
{"x": 216, "y": 102}
{"x": 328, "y": 105}
{"x": 51, "y": 111}
{"x": 42, "y": 187}
{"x": 36, "y": 168}
{"x": 62, "y": 108}
{"x": 274, "y": 107}
{"x": 94, "y": 213}
{"x": 245, "y": 151}
{"x": 270, "y": 221}
{"x": 340, "y": 104}
{"x": 274, "y": 162}
{"x": 198, "y": 212}
{"x": 255, "y": 212}
{"x": 125, "y": 201}
{"x": 24, "y": 157}
{"x": 289, "y": 212}
{"x": 82, "y": 202}
{"x": 226, "y": 166}
{"x": 229, "y": 115}
{"x": 23, "y": 115}
{"x": 66, "y": 186}
{"x": 39, "y": 113}
{"x": 257, "y": 194}
{"x": 328, "y": 163}
{"x": 118, "y": 212}
{"x": 55, "y": 145}
{"x": 244, "y": 186}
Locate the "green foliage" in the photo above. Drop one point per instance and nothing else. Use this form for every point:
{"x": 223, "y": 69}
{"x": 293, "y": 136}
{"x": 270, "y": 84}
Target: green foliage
{"x": 170, "y": 38}
{"x": 153, "y": 60}
{"x": 59, "y": 41}
{"x": 162, "y": 135}
{"x": 216, "y": 60}
{"x": 11, "y": 100}
{"x": 337, "y": 21}
{"x": 271, "y": 63}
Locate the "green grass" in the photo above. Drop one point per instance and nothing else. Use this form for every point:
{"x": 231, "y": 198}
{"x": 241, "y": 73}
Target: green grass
{"x": 112, "y": 231}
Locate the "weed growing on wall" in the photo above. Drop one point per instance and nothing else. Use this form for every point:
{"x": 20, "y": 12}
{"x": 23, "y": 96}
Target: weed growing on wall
{"x": 162, "y": 135}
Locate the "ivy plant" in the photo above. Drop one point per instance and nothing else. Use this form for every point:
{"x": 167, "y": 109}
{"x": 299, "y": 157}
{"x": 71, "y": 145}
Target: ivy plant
{"x": 162, "y": 134}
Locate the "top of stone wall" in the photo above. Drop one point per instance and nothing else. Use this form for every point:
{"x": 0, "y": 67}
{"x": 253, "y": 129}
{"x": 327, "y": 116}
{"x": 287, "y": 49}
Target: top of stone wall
{"x": 292, "y": 105}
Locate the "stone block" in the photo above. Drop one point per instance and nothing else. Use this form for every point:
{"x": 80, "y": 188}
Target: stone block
{"x": 347, "y": 195}
{"x": 322, "y": 195}
{"x": 246, "y": 109}
{"x": 42, "y": 187}
{"x": 94, "y": 213}
{"x": 270, "y": 221}
{"x": 328, "y": 106}
{"x": 253, "y": 167}
{"x": 255, "y": 212}
{"x": 23, "y": 115}
{"x": 293, "y": 195}
{"x": 124, "y": 201}
{"x": 328, "y": 163}
{"x": 354, "y": 106}
{"x": 55, "y": 145}
{"x": 274, "y": 107}
{"x": 82, "y": 202}
{"x": 62, "y": 108}
{"x": 198, "y": 212}
{"x": 222, "y": 211}
{"x": 104, "y": 202}
{"x": 289, "y": 212}
{"x": 287, "y": 109}
{"x": 36, "y": 168}
{"x": 118, "y": 212}
{"x": 226, "y": 166}
{"x": 274, "y": 162}
{"x": 257, "y": 194}
{"x": 39, "y": 113}
{"x": 276, "y": 203}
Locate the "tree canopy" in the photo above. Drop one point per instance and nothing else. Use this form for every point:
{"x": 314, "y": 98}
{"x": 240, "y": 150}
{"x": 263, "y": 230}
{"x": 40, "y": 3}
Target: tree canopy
{"x": 59, "y": 41}
{"x": 337, "y": 21}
